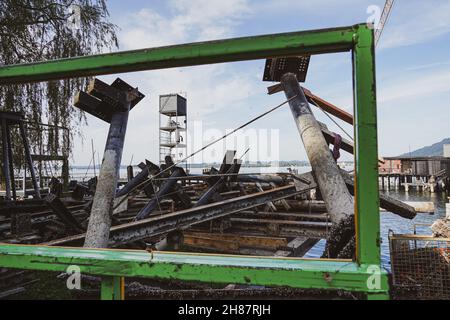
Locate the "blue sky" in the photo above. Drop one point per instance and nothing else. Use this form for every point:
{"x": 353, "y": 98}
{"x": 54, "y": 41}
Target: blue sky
{"x": 413, "y": 70}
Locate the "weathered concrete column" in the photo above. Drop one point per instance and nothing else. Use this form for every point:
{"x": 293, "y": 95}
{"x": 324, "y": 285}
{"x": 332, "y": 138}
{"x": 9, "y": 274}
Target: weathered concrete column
{"x": 110, "y": 103}
{"x": 339, "y": 202}
{"x": 97, "y": 234}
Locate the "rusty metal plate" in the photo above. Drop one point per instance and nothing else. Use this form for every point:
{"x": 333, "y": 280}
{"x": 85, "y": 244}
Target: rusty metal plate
{"x": 276, "y": 67}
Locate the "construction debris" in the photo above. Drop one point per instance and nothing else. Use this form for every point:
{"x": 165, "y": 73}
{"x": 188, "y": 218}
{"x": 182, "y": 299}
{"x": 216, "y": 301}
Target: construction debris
{"x": 223, "y": 210}
{"x": 441, "y": 228}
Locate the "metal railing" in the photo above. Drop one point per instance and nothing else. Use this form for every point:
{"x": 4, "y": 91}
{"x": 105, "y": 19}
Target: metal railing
{"x": 420, "y": 266}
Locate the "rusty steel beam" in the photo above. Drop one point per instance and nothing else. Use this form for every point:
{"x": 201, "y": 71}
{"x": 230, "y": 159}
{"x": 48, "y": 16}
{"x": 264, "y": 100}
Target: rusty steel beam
{"x": 318, "y": 102}
{"x": 329, "y": 136}
{"x": 161, "y": 225}
{"x": 328, "y": 107}
{"x": 213, "y": 191}
{"x": 63, "y": 213}
{"x": 167, "y": 187}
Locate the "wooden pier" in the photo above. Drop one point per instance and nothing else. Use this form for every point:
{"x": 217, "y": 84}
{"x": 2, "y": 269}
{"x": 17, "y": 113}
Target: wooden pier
{"x": 421, "y": 173}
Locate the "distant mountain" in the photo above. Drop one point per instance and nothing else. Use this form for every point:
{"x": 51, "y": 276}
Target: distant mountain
{"x": 435, "y": 150}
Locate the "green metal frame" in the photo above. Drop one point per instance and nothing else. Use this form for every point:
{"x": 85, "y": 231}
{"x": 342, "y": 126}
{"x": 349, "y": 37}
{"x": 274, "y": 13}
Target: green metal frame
{"x": 297, "y": 273}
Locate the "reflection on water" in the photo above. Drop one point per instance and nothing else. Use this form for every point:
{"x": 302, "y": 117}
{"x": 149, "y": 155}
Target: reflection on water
{"x": 397, "y": 224}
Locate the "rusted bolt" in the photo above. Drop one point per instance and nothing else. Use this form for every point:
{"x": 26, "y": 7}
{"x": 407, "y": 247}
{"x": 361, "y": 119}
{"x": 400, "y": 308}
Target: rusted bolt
{"x": 328, "y": 278}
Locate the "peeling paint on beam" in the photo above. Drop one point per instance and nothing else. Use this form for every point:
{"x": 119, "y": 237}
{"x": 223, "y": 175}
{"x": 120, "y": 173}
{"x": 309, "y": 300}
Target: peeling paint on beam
{"x": 294, "y": 273}
{"x": 229, "y": 50}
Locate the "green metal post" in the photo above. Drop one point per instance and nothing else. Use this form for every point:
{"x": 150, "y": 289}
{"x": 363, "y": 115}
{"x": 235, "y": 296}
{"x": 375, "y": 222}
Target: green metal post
{"x": 366, "y": 156}
{"x": 111, "y": 288}
{"x": 378, "y": 296}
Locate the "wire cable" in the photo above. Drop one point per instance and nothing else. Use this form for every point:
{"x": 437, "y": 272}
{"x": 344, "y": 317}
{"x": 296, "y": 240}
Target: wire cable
{"x": 146, "y": 182}
{"x": 334, "y": 121}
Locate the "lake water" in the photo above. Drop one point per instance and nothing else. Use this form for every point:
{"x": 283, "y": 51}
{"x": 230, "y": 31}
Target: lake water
{"x": 399, "y": 225}
{"x": 389, "y": 221}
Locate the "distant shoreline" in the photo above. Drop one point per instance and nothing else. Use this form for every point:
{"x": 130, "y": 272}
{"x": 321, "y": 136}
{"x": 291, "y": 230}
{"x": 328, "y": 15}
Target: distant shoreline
{"x": 281, "y": 164}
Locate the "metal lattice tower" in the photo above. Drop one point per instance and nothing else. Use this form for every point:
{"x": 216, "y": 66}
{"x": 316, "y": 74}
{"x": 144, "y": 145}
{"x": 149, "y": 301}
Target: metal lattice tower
{"x": 172, "y": 127}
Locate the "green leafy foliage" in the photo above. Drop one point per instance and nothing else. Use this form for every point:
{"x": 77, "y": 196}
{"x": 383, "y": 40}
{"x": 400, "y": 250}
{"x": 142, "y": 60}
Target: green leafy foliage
{"x": 39, "y": 30}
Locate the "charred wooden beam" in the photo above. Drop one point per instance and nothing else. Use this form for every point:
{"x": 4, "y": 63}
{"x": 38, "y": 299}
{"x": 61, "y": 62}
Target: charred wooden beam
{"x": 386, "y": 202}
{"x": 6, "y": 159}
{"x": 329, "y": 136}
{"x": 298, "y": 247}
{"x": 286, "y": 215}
{"x": 112, "y": 94}
{"x": 308, "y": 205}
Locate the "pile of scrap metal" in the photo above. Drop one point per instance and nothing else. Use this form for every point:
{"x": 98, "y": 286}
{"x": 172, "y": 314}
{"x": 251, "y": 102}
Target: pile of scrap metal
{"x": 34, "y": 221}
{"x": 222, "y": 210}
{"x": 441, "y": 228}
{"x": 219, "y": 211}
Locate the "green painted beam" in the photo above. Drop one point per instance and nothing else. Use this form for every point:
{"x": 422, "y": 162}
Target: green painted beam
{"x": 295, "y": 273}
{"x": 366, "y": 154}
{"x": 111, "y": 288}
{"x": 247, "y": 48}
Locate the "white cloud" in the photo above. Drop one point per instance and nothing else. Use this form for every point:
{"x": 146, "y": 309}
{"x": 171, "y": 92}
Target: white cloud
{"x": 409, "y": 86}
{"x": 423, "y": 22}
{"x": 214, "y": 88}
{"x": 322, "y": 7}
{"x": 192, "y": 20}
{"x": 209, "y": 88}
{"x": 209, "y": 19}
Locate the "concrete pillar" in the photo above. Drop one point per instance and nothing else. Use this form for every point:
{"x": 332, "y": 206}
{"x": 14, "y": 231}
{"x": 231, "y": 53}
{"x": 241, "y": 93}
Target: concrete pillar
{"x": 339, "y": 202}
{"x": 97, "y": 234}
{"x": 432, "y": 184}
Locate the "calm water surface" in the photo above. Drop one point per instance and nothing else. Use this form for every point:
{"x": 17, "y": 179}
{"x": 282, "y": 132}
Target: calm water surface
{"x": 397, "y": 224}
